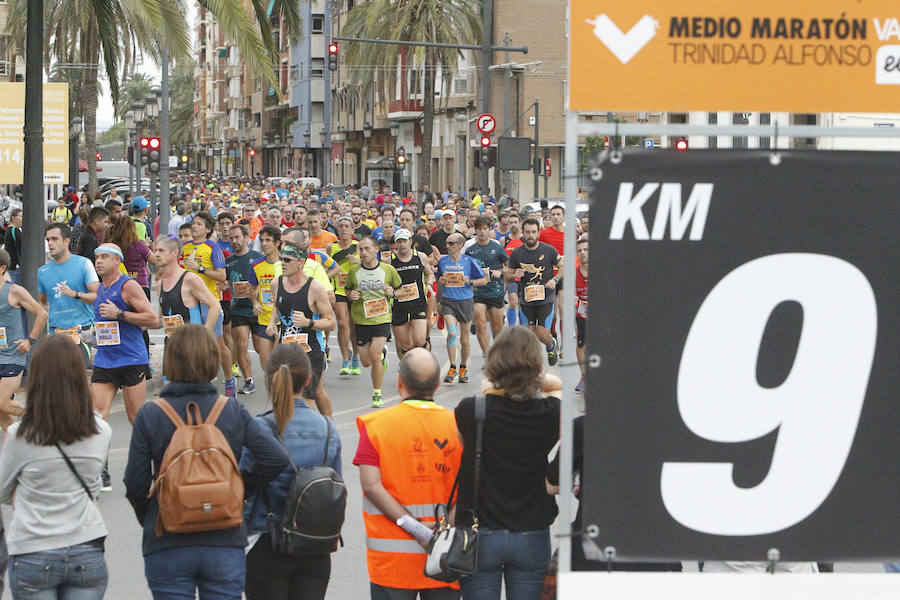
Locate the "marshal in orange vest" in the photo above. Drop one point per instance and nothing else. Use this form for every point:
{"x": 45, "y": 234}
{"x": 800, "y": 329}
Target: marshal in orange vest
{"x": 419, "y": 453}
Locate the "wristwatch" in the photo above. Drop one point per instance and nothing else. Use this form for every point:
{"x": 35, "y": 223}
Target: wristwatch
{"x": 201, "y": 269}
{"x": 78, "y": 295}
{"x": 31, "y": 341}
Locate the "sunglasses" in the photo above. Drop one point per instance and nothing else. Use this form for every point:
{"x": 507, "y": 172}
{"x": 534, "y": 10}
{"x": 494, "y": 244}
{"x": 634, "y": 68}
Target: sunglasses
{"x": 288, "y": 259}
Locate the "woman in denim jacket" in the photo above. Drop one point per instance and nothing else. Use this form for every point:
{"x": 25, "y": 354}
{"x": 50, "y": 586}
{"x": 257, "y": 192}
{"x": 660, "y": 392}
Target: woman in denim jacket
{"x": 273, "y": 576}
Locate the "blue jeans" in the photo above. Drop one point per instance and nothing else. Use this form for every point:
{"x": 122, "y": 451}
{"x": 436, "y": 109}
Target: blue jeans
{"x": 216, "y": 571}
{"x": 74, "y": 573}
{"x": 519, "y": 558}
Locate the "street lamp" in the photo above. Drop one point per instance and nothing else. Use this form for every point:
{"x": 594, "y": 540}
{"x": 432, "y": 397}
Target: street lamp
{"x": 138, "y": 110}
{"x": 151, "y": 106}
{"x": 306, "y": 139}
{"x": 129, "y": 120}
{"x": 289, "y": 151}
{"x": 395, "y": 129}
{"x": 277, "y": 155}
{"x": 75, "y": 128}
{"x": 367, "y": 130}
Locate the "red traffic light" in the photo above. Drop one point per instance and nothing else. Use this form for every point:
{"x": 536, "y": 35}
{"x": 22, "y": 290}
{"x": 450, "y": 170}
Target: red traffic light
{"x": 99, "y": 156}
{"x": 252, "y": 152}
{"x": 145, "y": 142}
{"x": 332, "y": 48}
{"x": 485, "y": 141}
{"x": 154, "y": 143}
{"x": 681, "y": 145}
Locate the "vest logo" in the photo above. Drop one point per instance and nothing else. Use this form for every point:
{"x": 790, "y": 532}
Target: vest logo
{"x": 440, "y": 444}
{"x": 624, "y": 45}
{"x": 417, "y": 445}
{"x": 442, "y": 468}
{"x": 669, "y": 211}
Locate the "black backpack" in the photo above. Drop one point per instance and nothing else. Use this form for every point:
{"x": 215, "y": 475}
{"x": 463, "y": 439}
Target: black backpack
{"x": 313, "y": 511}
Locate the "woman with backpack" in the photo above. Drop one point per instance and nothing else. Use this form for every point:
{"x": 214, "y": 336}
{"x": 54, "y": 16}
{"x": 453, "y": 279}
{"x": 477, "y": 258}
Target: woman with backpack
{"x": 311, "y": 440}
{"x": 193, "y": 439}
{"x": 50, "y": 465}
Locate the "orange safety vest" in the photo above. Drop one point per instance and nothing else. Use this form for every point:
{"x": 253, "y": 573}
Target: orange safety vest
{"x": 419, "y": 452}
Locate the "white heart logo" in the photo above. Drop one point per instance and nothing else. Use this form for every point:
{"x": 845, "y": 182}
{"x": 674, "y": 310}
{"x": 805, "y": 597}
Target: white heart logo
{"x": 624, "y": 45}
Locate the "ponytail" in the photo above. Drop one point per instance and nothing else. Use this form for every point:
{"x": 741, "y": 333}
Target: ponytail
{"x": 282, "y": 395}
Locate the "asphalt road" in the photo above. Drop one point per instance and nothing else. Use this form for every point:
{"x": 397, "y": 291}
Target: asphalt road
{"x": 351, "y": 397}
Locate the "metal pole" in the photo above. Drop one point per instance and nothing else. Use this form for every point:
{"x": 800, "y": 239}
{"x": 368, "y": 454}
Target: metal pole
{"x": 487, "y": 58}
{"x": 164, "y": 211}
{"x": 537, "y": 145}
{"x": 131, "y": 166}
{"x": 567, "y": 408}
{"x": 522, "y": 49}
{"x": 33, "y": 214}
{"x": 546, "y": 179}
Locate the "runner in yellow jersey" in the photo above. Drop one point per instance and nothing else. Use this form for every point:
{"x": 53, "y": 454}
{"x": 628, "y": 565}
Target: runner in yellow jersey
{"x": 262, "y": 273}
{"x": 346, "y": 253}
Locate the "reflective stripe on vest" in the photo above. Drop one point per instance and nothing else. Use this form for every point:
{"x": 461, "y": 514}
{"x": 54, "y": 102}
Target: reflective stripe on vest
{"x": 419, "y": 511}
{"x": 394, "y": 546}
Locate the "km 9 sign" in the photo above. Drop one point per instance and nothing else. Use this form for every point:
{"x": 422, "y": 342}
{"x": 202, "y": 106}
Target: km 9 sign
{"x": 745, "y": 316}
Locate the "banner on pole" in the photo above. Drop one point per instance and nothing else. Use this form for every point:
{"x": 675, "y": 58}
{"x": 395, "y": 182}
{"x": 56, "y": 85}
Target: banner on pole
{"x": 708, "y": 55}
{"x": 56, "y": 133}
{"x": 744, "y": 315}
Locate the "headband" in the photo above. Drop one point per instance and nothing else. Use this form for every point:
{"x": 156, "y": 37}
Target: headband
{"x": 108, "y": 250}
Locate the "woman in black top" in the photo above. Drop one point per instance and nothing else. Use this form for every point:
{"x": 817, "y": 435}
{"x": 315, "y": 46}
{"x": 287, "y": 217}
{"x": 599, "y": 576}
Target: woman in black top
{"x": 513, "y": 508}
{"x": 13, "y": 244}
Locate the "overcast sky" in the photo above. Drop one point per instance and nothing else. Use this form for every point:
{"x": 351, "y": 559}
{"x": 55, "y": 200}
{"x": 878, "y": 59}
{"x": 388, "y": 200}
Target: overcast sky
{"x": 105, "y": 116}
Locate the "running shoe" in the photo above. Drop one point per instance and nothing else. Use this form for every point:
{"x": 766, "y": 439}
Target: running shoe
{"x": 355, "y": 369}
{"x": 580, "y": 386}
{"x": 377, "y": 400}
{"x": 327, "y": 353}
{"x": 463, "y": 375}
{"x": 552, "y": 357}
{"x": 235, "y": 371}
{"x": 248, "y": 388}
{"x": 106, "y": 485}
{"x": 384, "y": 360}
{"x": 451, "y": 375}
{"x": 345, "y": 368}
{"x": 231, "y": 388}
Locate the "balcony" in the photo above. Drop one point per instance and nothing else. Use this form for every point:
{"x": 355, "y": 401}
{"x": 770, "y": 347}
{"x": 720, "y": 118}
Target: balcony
{"x": 406, "y": 109}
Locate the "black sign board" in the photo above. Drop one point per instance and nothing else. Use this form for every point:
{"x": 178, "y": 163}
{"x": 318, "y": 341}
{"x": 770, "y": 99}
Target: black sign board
{"x": 746, "y": 316}
{"x": 515, "y": 153}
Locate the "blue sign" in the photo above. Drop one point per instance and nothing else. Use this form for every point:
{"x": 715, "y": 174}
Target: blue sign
{"x": 648, "y": 142}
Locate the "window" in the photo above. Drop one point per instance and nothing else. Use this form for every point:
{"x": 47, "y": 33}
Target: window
{"x": 713, "y": 141}
{"x": 318, "y": 23}
{"x": 4, "y": 55}
{"x": 765, "y": 119}
{"x": 740, "y": 119}
{"x": 317, "y": 68}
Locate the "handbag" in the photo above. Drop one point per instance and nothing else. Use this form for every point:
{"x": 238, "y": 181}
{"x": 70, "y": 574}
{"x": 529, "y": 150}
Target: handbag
{"x": 453, "y": 550}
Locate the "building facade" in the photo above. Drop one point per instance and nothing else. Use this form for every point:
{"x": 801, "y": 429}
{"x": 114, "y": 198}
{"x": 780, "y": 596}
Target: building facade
{"x": 12, "y": 66}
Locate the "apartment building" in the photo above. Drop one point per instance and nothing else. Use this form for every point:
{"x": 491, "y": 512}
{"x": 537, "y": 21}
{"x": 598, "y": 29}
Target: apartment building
{"x": 12, "y": 66}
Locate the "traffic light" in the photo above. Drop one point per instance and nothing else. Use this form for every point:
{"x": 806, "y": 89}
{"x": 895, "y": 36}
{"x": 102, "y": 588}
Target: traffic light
{"x": 485, "y": 151}
{"x": 252, "y": 152}
{"x": 129, "y": 156}
{"x": 154, "y": 155}
{"x": 184, "y": 159}
{"x": 99, "y": 156}
{"x": 681, "y": 145}
{"x": 145, "y": 152}
{"x": 332, "y": 56}
{"x": 401, "y": 157}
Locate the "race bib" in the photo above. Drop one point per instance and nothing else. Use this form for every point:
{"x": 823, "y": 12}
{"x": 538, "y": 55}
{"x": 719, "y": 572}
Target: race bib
{"x": 454, "y": 279}
{"x": 297, "y": 338}
{"x": 376, "y": 308}
{"x": 581, "y": 311}
{"x": 407, "y": 292}
{"x": 534, "y": 293}
{"x": 243, "y": 289}
{"x": 386, "y": 256}
{"x": 172, "y": 322}
{"x": 73, "y": 334}
{"x": 3, "y": 342}
{"x": 265, "y": 295}
{"x": 342, "y": 279}
{"x": 107, "y": 333}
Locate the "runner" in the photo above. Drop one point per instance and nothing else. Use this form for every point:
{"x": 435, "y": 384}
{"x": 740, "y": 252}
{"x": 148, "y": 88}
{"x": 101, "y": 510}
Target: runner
{"x": 14, "y": 346}
{"x": 224, "y": 221}
{"x": 370, "y": 286}
{"x": 458, "y": 274}
{"x": 410, "y": 311}
{"x": 181, "y": 293}
{"x": 581, "y": 303}
{"x": 555, "y": 235}
{"x": 243, "y": 320}
{"x": 303, "y": 316}
{"x": 488, "y": 298}
{"x": 73, "y": 283}
{"x": 533, "y": 263}
{"x": 346, "y": 253}
{"x": 262, "y": 273}
{"x": 319, "y": 239}
{"x": 205, "y": 258}
{"x": 511, "y": 241}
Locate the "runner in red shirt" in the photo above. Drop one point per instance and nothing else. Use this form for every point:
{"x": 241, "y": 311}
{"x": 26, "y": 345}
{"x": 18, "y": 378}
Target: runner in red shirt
{"x": 581, "y": 302}
{"x": 511, "y": 241}
{"x": 555, "y": 235}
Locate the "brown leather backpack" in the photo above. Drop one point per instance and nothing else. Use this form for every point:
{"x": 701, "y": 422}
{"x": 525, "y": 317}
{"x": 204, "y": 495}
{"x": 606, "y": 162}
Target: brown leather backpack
{"x": 199, "y": 486}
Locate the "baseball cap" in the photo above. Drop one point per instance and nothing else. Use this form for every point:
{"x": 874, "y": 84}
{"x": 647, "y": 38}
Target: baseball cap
{"x": 402, "y": 234}
{"x": 139, "y": 203}
{"x": 448, "y": 211}
{"x": 438, "y": 213}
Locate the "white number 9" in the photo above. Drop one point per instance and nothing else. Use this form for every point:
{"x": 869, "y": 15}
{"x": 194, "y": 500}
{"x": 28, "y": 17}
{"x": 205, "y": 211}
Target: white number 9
{"x": 816, "y": 409}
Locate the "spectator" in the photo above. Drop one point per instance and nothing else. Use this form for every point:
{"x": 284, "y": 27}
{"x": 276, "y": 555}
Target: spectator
{"x": 113, "y": 206}
{"x": 12, "y": 243}
{"x": 212, "y": 561}
{"x": 94, "y": 233}
{"x": 51, "y": 463}
{"x": 273, "y": 576}
{"x": 178, "y": 219}
{"x": 514, "y": 509}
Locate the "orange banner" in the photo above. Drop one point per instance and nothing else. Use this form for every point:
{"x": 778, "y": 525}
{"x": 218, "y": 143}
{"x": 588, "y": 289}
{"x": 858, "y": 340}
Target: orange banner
{"x": 709, "y": 55}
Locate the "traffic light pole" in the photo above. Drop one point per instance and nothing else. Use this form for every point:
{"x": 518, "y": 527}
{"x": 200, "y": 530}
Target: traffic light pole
{"x": 33, "y": 216}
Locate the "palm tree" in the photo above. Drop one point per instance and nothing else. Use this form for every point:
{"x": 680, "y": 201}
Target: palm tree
{"x": 441, "y": 21}
{"x": 182, "y": 114}
{"x": 78, "y": 33}
{"x": 135, "y": 89}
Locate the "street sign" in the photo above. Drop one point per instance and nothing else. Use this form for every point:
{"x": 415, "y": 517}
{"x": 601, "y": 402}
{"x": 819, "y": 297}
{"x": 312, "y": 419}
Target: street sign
{"x": 705, "y": 55}
{"x": 548, "y": 167}
{"x": 486, "y": 123}
{"x": 648, "y": 142}
{"x": 739, "y": 401}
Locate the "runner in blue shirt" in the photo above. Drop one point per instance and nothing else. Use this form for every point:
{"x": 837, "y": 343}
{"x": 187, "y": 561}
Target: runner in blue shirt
{"x": 458, "y": 274}
{"x": 492, "y": 258}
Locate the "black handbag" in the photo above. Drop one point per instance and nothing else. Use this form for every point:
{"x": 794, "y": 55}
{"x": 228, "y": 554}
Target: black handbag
{"x": 453, "y": 550}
